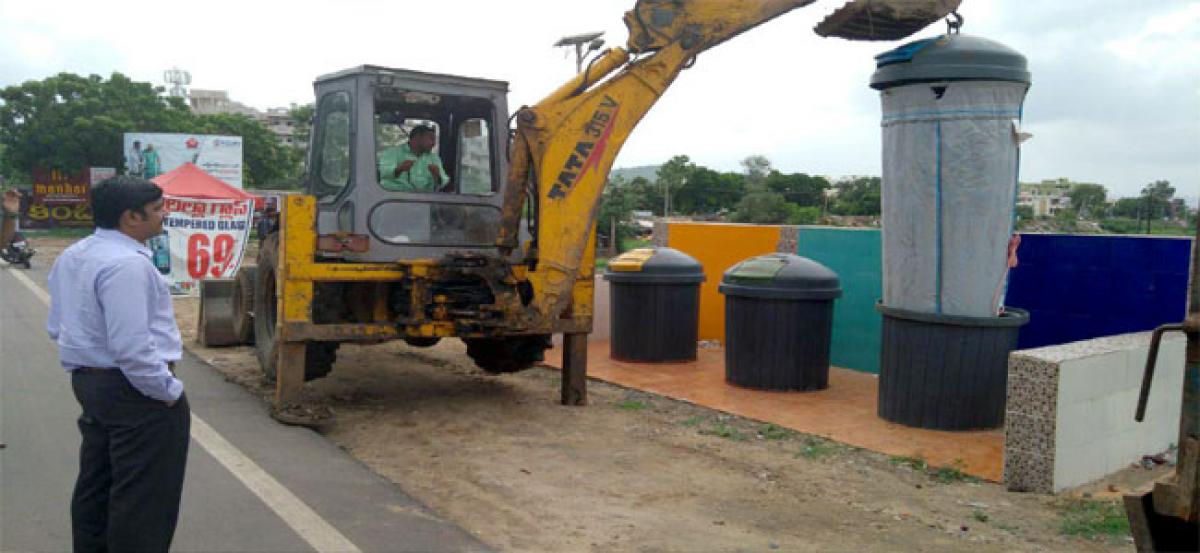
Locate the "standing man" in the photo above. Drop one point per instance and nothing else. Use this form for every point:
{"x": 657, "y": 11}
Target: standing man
{"x": 413, "y": 166}
{"x": 133, "y": 159}
{"x": 111, "y": 315}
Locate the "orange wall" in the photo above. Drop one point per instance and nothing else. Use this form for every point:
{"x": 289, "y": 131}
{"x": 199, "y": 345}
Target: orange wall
{"x": 718, "y": 247}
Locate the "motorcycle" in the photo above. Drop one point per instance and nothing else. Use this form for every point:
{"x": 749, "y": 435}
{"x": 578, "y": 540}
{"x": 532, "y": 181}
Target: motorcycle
{"x": 18, "y": 251}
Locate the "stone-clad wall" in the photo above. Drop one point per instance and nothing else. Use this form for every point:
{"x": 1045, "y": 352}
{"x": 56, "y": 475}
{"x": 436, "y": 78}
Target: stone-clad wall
{"x": 1070, "y": 410}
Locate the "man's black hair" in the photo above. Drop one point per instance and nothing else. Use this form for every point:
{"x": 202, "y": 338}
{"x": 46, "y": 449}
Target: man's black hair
{"x": 116, "y": 195}
{"x": 420, "y": 130}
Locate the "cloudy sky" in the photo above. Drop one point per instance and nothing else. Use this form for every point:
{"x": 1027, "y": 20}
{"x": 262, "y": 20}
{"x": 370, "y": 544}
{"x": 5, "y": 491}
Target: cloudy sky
{"x": 1115, "y": 98}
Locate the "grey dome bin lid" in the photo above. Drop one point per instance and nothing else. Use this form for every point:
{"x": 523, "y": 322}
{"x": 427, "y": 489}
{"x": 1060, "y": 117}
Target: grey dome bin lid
{"x": 658, "y": 265}
{"x": 781, "y": 276}
{"x": 953, "y": 57}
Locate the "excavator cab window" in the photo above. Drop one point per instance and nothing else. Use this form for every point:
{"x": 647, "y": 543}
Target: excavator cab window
{"x": 393, "y": 132}
{"x": 475, "y": 157}
{"x": 464, "y": 143}
{"x": 331, "y": 155}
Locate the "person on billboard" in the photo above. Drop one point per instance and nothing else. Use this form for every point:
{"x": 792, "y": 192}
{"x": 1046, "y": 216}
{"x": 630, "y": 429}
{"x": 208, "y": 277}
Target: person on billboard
{"x": 111, "y": 316}
{"x": 133, "y": 159}
{"x": 151, "y": 166}
{"x": 413, "y": 166}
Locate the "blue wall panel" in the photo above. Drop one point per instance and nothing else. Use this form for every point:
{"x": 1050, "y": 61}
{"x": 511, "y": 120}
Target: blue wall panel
{"x": 1082, "y": 287}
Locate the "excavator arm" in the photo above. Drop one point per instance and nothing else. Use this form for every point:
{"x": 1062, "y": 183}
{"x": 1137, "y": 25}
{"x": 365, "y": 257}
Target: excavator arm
{"x": 565, "y": 145}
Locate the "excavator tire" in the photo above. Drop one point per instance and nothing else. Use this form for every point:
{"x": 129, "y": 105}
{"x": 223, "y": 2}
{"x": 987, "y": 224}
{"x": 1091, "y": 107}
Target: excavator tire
{"x": 318, "y": 356}
{"x": 507, "y": 355}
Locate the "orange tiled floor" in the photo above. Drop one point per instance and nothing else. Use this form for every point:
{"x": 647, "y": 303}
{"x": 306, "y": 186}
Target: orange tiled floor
{"x": 844, "y": 412}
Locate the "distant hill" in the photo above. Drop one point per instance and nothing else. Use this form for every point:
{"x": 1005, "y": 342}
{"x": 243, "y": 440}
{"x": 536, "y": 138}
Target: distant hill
{"x": 648, "y": 172}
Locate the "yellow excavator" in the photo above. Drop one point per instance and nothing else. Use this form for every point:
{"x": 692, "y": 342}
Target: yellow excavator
{"x": 485, "y": 231}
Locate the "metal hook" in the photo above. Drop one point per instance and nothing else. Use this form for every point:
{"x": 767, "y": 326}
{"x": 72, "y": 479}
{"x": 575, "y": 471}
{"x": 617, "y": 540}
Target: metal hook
{"x": 953, "y": 27}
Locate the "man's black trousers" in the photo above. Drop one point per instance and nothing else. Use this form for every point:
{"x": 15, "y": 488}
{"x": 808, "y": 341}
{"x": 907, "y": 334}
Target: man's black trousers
{"x": 131, "y": 465}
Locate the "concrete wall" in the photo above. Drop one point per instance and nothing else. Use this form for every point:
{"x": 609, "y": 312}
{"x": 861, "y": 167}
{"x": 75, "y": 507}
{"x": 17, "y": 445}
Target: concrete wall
{"x": 1076, "y": 287}
{"x": 1070, "y": 410}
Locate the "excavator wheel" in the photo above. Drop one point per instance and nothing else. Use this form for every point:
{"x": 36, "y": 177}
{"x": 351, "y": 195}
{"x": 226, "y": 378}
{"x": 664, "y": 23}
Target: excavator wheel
{"x": 318, "y": 356}
{"x": 507, "y": 355}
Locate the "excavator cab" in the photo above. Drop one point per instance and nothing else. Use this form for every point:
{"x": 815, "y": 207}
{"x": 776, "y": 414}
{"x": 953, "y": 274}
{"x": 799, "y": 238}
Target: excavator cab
{"x": 364, "y": 117}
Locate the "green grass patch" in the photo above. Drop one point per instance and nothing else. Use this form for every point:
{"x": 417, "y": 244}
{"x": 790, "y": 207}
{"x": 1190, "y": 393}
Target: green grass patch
{"x": 953, "y": 473}
{"x": 945, "y": 475}
{"x": 1094, "y": 519}
{"x": 979, "y": 515}
{"x": 631, "y": 405}
{"x": 633, "y": 243}
{"x": 916, "y": 463}
{"x": 772, "y": 432}
{"x": 722, "y": 430}
{"x": 693, "y": 421}
{"x": 815, "y": 448}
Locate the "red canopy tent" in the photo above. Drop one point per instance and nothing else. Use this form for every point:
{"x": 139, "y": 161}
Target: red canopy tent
{"x": 189, "y": 181}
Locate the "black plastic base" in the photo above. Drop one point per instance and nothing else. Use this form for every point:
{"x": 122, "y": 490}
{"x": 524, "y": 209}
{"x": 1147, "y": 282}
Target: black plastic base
{"x": 945, "y": 372}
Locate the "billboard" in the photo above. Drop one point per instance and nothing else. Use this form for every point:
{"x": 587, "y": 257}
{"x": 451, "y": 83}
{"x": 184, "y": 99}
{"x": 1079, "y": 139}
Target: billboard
{"x": 151, "y": 154}
{"x": 58, "y": 199}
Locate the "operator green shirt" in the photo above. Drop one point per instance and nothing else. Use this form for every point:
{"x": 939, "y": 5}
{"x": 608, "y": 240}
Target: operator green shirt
{"x": 418, "y": 178}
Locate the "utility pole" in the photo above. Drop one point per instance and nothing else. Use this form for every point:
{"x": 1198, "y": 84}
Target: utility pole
{"x": 592, "y": 40}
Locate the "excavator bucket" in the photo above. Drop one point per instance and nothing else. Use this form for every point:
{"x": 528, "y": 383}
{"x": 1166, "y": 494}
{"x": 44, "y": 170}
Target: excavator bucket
{"x": 884, "y": 19}
{"x": 217, "y": 313}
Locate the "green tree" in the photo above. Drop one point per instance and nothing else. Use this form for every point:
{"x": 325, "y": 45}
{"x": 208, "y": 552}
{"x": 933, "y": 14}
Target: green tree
{"x": 1088, "y": 199}
{"x": 806, "y": 215}
{"x": 858, "y": 196}
{"x": 1127, "y": 207}
{"x": 1068, "y": 219}
{"x": 673, "y": 174}
{"x": 1157, "y": 197}
{"x": 763, "y": 208}
{"x": 1156, "y": 202}
{"x": 1025, "y": 212}
{"x": 707, "y": 192}
{"x": 302, "y": 117}
{"x": 798, "y": 188}
{"x": 616, "y": 211}
{"x": 266, "y": 161}
{"x": 69, "y": 122}
{"x": 757, "y": 168}
{"x": 646, "y": 196}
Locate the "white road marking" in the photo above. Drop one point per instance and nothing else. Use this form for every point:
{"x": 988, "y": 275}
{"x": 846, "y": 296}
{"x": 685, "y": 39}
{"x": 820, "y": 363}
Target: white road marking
{"x": 315, "y": 530}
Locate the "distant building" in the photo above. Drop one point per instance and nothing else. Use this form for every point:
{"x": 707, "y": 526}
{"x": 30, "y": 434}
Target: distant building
{"x": 277, "y": 120}
{"x": 1046, "y": 198}
{"x": 214, "y": 102}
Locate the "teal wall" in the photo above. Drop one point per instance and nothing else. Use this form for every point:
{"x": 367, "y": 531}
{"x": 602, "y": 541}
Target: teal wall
{"x": 854, "y": 254}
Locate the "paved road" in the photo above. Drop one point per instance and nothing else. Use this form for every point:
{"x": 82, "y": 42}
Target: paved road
{"x": 252, "y": 484}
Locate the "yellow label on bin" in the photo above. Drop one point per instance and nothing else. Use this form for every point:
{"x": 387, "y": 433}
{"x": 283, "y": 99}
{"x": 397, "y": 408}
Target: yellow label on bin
{"x": 631, "y": 261}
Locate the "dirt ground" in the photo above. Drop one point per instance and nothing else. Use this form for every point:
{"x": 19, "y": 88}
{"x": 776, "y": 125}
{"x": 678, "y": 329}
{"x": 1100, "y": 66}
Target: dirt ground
{"x": 633, "y": 471}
